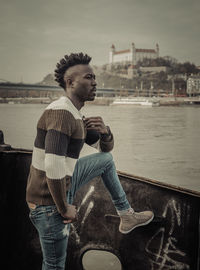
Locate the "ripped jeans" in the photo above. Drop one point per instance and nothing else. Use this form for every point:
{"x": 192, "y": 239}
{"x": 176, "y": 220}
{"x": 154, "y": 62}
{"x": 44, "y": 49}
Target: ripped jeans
{"x": 53, "y": 233}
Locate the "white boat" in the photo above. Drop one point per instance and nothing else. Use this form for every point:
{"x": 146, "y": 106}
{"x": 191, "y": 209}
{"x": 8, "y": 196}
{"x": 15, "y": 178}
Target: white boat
{"x": 136, "y": 101}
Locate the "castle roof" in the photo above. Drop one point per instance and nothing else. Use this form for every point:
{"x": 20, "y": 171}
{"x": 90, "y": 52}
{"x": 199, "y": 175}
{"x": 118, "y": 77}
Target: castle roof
{"x": 137, "y": 50}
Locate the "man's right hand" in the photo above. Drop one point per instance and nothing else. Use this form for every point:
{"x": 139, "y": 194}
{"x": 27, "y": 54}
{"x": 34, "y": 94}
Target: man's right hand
{"x": 70, "y": 215}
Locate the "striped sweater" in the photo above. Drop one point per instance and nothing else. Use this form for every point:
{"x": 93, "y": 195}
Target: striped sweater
{"x": 59, "y": 140}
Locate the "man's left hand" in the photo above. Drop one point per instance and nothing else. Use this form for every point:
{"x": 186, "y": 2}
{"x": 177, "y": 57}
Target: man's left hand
{"x": 96, "y": 123}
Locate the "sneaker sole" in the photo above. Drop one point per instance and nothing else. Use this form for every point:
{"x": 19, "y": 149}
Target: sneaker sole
{"x": 139, "y": 225}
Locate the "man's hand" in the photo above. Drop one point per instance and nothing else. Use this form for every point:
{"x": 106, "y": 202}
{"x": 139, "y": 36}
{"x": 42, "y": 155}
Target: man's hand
{"x": 71, "y": 214}
{"x": 96, "y": 123}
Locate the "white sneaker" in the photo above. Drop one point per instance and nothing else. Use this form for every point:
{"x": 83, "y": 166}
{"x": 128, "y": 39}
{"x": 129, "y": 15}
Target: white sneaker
{"x": 131, "y": 220}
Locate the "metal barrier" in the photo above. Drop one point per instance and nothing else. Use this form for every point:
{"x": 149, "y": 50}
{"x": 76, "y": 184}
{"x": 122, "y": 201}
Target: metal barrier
{"x": 170, "y": 241}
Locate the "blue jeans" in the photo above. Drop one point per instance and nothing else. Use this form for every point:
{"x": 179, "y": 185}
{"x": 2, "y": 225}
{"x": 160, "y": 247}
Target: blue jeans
{"x": 53, "y": 233}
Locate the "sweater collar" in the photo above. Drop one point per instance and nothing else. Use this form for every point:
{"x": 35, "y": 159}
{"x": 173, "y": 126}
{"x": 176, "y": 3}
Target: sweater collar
{"x": 69, "y": 102}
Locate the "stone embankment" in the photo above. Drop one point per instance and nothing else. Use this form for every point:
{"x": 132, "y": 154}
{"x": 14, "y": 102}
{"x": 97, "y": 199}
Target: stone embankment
{"x": 163, "y": 101}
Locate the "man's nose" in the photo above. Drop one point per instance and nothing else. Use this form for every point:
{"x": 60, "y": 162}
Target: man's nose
{"x": 94, "y": 83}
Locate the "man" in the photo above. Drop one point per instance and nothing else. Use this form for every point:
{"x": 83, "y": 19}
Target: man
{"x": 57, "y": 172}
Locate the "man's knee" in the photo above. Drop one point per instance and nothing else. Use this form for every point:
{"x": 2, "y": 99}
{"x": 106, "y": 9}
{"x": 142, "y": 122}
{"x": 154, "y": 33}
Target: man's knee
{"x": 107, "y": 156}
{"x": 108, "y": 160}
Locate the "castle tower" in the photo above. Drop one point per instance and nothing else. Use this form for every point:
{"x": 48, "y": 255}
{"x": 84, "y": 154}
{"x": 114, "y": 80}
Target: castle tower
{"x": 157, "y": 50}
{"x": 133, "y": 54}
{"x": 112, "y": 51}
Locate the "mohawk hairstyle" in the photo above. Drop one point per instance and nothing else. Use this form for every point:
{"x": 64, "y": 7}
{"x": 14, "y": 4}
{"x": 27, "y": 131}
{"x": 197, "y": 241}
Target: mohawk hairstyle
{"x": 69, "y": 61}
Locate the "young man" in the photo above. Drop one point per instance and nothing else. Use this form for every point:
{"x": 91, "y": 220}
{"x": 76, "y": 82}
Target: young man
{"x": 57, "y": 172}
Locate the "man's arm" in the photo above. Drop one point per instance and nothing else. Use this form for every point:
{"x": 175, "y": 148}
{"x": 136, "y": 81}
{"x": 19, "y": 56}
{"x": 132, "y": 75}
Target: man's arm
{"x": 106, "y": 141}
{"x": 57, "y": 171}
{"x": 106, "y": 137}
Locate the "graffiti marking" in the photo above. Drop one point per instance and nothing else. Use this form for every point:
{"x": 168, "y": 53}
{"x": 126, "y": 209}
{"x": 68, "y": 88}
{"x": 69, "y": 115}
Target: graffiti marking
{"x": 168, "y": 256}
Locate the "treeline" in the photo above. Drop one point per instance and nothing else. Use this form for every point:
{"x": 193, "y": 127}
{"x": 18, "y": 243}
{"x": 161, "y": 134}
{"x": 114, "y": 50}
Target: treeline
{"x": 176, "y": 74}
{"x": 171, "y": 63}
{"x": 157, "y": 81}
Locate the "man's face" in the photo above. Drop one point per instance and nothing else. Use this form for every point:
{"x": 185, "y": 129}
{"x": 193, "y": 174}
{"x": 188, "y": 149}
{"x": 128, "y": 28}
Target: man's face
{"x": 83, "y": 84}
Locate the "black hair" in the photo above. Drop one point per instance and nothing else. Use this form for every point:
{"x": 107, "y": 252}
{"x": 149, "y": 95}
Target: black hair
{"x": 69, "y": 61}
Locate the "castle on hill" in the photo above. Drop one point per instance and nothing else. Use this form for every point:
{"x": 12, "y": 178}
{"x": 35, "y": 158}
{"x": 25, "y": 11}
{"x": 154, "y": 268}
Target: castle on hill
{"x": 132, "y": 55}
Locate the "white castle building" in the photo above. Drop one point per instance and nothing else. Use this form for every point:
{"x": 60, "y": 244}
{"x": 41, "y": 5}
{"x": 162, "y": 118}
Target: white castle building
{"x": 132, "y": 55}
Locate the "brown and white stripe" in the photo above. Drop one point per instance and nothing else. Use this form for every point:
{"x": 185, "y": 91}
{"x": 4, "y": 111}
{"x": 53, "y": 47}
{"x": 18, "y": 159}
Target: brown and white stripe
{"x": 58, "y": 143}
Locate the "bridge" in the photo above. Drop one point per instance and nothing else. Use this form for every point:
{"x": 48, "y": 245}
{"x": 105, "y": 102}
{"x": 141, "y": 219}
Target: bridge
{"x": 20, "y": 90}
{"x": 27, "y": 90}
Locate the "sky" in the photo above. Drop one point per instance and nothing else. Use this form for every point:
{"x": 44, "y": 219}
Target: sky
{"x": 36, "y": 34}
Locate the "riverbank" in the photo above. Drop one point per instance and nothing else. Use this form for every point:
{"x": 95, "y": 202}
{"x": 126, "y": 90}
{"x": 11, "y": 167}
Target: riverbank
{"x": 163, "y": 101}
{"x": 47, "y": 100}
{"x": 179, "y": 101}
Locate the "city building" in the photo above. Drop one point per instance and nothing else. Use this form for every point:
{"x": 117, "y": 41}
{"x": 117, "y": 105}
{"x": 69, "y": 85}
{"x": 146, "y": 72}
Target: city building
{"x": 193, "y": 85}
{"x": 132, "y": 55}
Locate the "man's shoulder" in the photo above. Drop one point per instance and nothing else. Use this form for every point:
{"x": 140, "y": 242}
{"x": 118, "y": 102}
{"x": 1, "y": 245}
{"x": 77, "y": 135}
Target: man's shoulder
{"x": 63, "y": 105}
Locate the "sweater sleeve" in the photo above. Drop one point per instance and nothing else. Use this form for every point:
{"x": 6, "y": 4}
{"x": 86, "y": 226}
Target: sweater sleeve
{"x": 107, "y": 145}
{"x": 60, "y": 125}
{"x": 95, "y": 140}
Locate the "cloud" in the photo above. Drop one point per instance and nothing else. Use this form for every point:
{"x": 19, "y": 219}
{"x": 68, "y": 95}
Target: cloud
{"x": 41, "y": 31}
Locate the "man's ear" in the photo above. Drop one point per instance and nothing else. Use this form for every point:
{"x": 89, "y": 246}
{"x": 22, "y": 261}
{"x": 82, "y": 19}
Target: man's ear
{"x": 69, "y": 82}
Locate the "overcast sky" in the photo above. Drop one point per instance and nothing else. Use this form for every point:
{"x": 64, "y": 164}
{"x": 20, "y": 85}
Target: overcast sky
{"x": 35, "y": 34}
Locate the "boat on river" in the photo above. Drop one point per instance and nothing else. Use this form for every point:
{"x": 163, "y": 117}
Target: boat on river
{"x": 136, "y": 101}
{"x": 170, "y": 241}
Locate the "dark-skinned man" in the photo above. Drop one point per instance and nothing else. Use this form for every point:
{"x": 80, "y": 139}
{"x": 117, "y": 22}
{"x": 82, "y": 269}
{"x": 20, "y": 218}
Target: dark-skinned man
{"x": 57, "y": 171}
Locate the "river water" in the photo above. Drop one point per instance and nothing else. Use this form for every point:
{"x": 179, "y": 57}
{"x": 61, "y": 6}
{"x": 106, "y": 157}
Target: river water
{"x": 162, "y": 143}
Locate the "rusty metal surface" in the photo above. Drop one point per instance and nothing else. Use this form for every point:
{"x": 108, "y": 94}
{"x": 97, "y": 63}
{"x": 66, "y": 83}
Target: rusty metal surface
{"x": 171, "y": 241}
